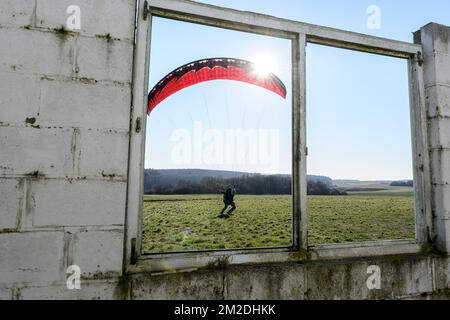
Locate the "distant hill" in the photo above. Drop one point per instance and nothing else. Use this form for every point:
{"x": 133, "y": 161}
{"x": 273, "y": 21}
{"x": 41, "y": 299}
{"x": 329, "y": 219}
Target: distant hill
{"x": 170, "y": 177}
{"x": 160, "y": 179}
{"x": 326, "y": 180}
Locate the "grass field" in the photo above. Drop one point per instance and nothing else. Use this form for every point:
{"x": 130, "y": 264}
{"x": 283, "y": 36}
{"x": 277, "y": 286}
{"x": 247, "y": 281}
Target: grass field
{"x": 187, "y": 223}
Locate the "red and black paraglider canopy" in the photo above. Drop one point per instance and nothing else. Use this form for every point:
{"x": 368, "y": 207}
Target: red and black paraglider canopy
{"x": 212, "y": 69}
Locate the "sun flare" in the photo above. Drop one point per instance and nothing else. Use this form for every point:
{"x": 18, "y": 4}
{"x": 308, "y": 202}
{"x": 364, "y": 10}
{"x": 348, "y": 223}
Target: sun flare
{"x": 265, "y": 64}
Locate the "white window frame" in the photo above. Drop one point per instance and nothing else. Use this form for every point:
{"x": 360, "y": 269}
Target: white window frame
{"x": 300, "y": 34}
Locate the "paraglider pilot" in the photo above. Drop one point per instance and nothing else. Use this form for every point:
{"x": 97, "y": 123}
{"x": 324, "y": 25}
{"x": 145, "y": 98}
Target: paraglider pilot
{"x": 228, "y": 200}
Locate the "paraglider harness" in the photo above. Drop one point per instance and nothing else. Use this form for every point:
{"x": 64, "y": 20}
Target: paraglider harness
{"x": 228, "y": 200}
{"x": 228, "y": 196}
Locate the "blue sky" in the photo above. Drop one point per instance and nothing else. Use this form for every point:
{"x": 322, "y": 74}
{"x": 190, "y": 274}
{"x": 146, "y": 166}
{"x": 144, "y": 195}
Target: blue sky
{"x": 358, "y": 116}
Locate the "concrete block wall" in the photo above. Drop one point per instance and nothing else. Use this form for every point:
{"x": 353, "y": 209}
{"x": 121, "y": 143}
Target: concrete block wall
{"x": 64, "y": 133}
{"x": 403, "y": 278}
{"x": 65, "y": 100}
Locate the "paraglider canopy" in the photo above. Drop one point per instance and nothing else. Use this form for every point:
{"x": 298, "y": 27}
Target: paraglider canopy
{"x": 213, "y": 69}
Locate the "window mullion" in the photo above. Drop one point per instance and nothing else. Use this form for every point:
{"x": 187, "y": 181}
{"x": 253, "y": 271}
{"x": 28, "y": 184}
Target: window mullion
{"x": 299, "y": 180}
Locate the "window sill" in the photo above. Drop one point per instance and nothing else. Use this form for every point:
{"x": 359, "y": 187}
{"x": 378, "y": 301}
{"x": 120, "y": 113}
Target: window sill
{"x": 189, "y": 261}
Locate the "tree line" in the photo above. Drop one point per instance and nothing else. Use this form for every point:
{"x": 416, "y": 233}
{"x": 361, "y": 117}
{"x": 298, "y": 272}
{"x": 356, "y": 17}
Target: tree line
{"x": 404, "y": 183}
{"x": 252, "y": 184}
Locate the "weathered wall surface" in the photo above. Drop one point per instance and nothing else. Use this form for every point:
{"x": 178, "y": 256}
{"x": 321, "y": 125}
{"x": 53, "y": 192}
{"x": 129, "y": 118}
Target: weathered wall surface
{"x": 406, "y": 277}
{"x": 436, "y": 42}
{"x": 64, "y": 132}
{"x": 64, "y": 119}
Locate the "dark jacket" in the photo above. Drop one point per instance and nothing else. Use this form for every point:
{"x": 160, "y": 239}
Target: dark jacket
{"x": 228, "y": 195}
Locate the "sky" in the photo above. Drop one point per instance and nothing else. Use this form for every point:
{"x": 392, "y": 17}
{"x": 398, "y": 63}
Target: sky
{"x": 358, "y": 121}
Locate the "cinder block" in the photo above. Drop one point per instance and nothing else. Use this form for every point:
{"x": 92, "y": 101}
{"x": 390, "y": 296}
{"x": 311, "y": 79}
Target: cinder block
{"x": 50, "y": 54}
{"x": 105, "y": 60}
{"x": 19, "y": 96}
{"x": 274, "y": 282}
{"x": 442, "y": 273}
{"x": 104, "y": 153}
{"x": 197, "y": 285}
{"x": 337, "y": 281}
{"x": 441, "y": 201}
{"x": 31, "y": 257}
{"x": 84, "y": 105}
{"x": 438, "y": 101}
{"x": 77, "y": 202}
{"x": 114, "y": 17}
{"x": 437, "y": 69}
{"x": 441, "y": 207}
{"x": 89, "y": 290}
{"x": 443, "y": 233}
{"x": 435, "y": 38}
{"x": 11, "y": 191}
{"x": 416, "y": 277}
{"x": 440, "y": 133}
{"x": 98, "y": 253}
{"x": 17, "y": 12}
{"x": 27, "y": 150}
{"x": 62, "y": 54}
{"x": 398, "y": 278}
{"x": 440, "y": 166}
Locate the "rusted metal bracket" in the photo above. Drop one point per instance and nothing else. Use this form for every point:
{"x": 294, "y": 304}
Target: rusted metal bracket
{"x": 146, "y": 9}
{"x": 138, "y": 125}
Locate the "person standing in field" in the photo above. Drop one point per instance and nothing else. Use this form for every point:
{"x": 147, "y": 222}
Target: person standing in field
{"x": 228, "y": 200}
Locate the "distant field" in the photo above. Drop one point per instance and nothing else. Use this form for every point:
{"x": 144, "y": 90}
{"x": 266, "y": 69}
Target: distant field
{"x": 186, "y": 223}
{"x": 400, "y": 192}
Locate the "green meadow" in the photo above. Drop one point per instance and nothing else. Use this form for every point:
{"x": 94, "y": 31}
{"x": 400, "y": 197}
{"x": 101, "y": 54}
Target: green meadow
{"x": 190, "y": 223}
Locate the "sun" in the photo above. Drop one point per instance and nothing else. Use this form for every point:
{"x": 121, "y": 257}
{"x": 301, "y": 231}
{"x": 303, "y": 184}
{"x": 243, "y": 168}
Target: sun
{"x": 265, "y": 64}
